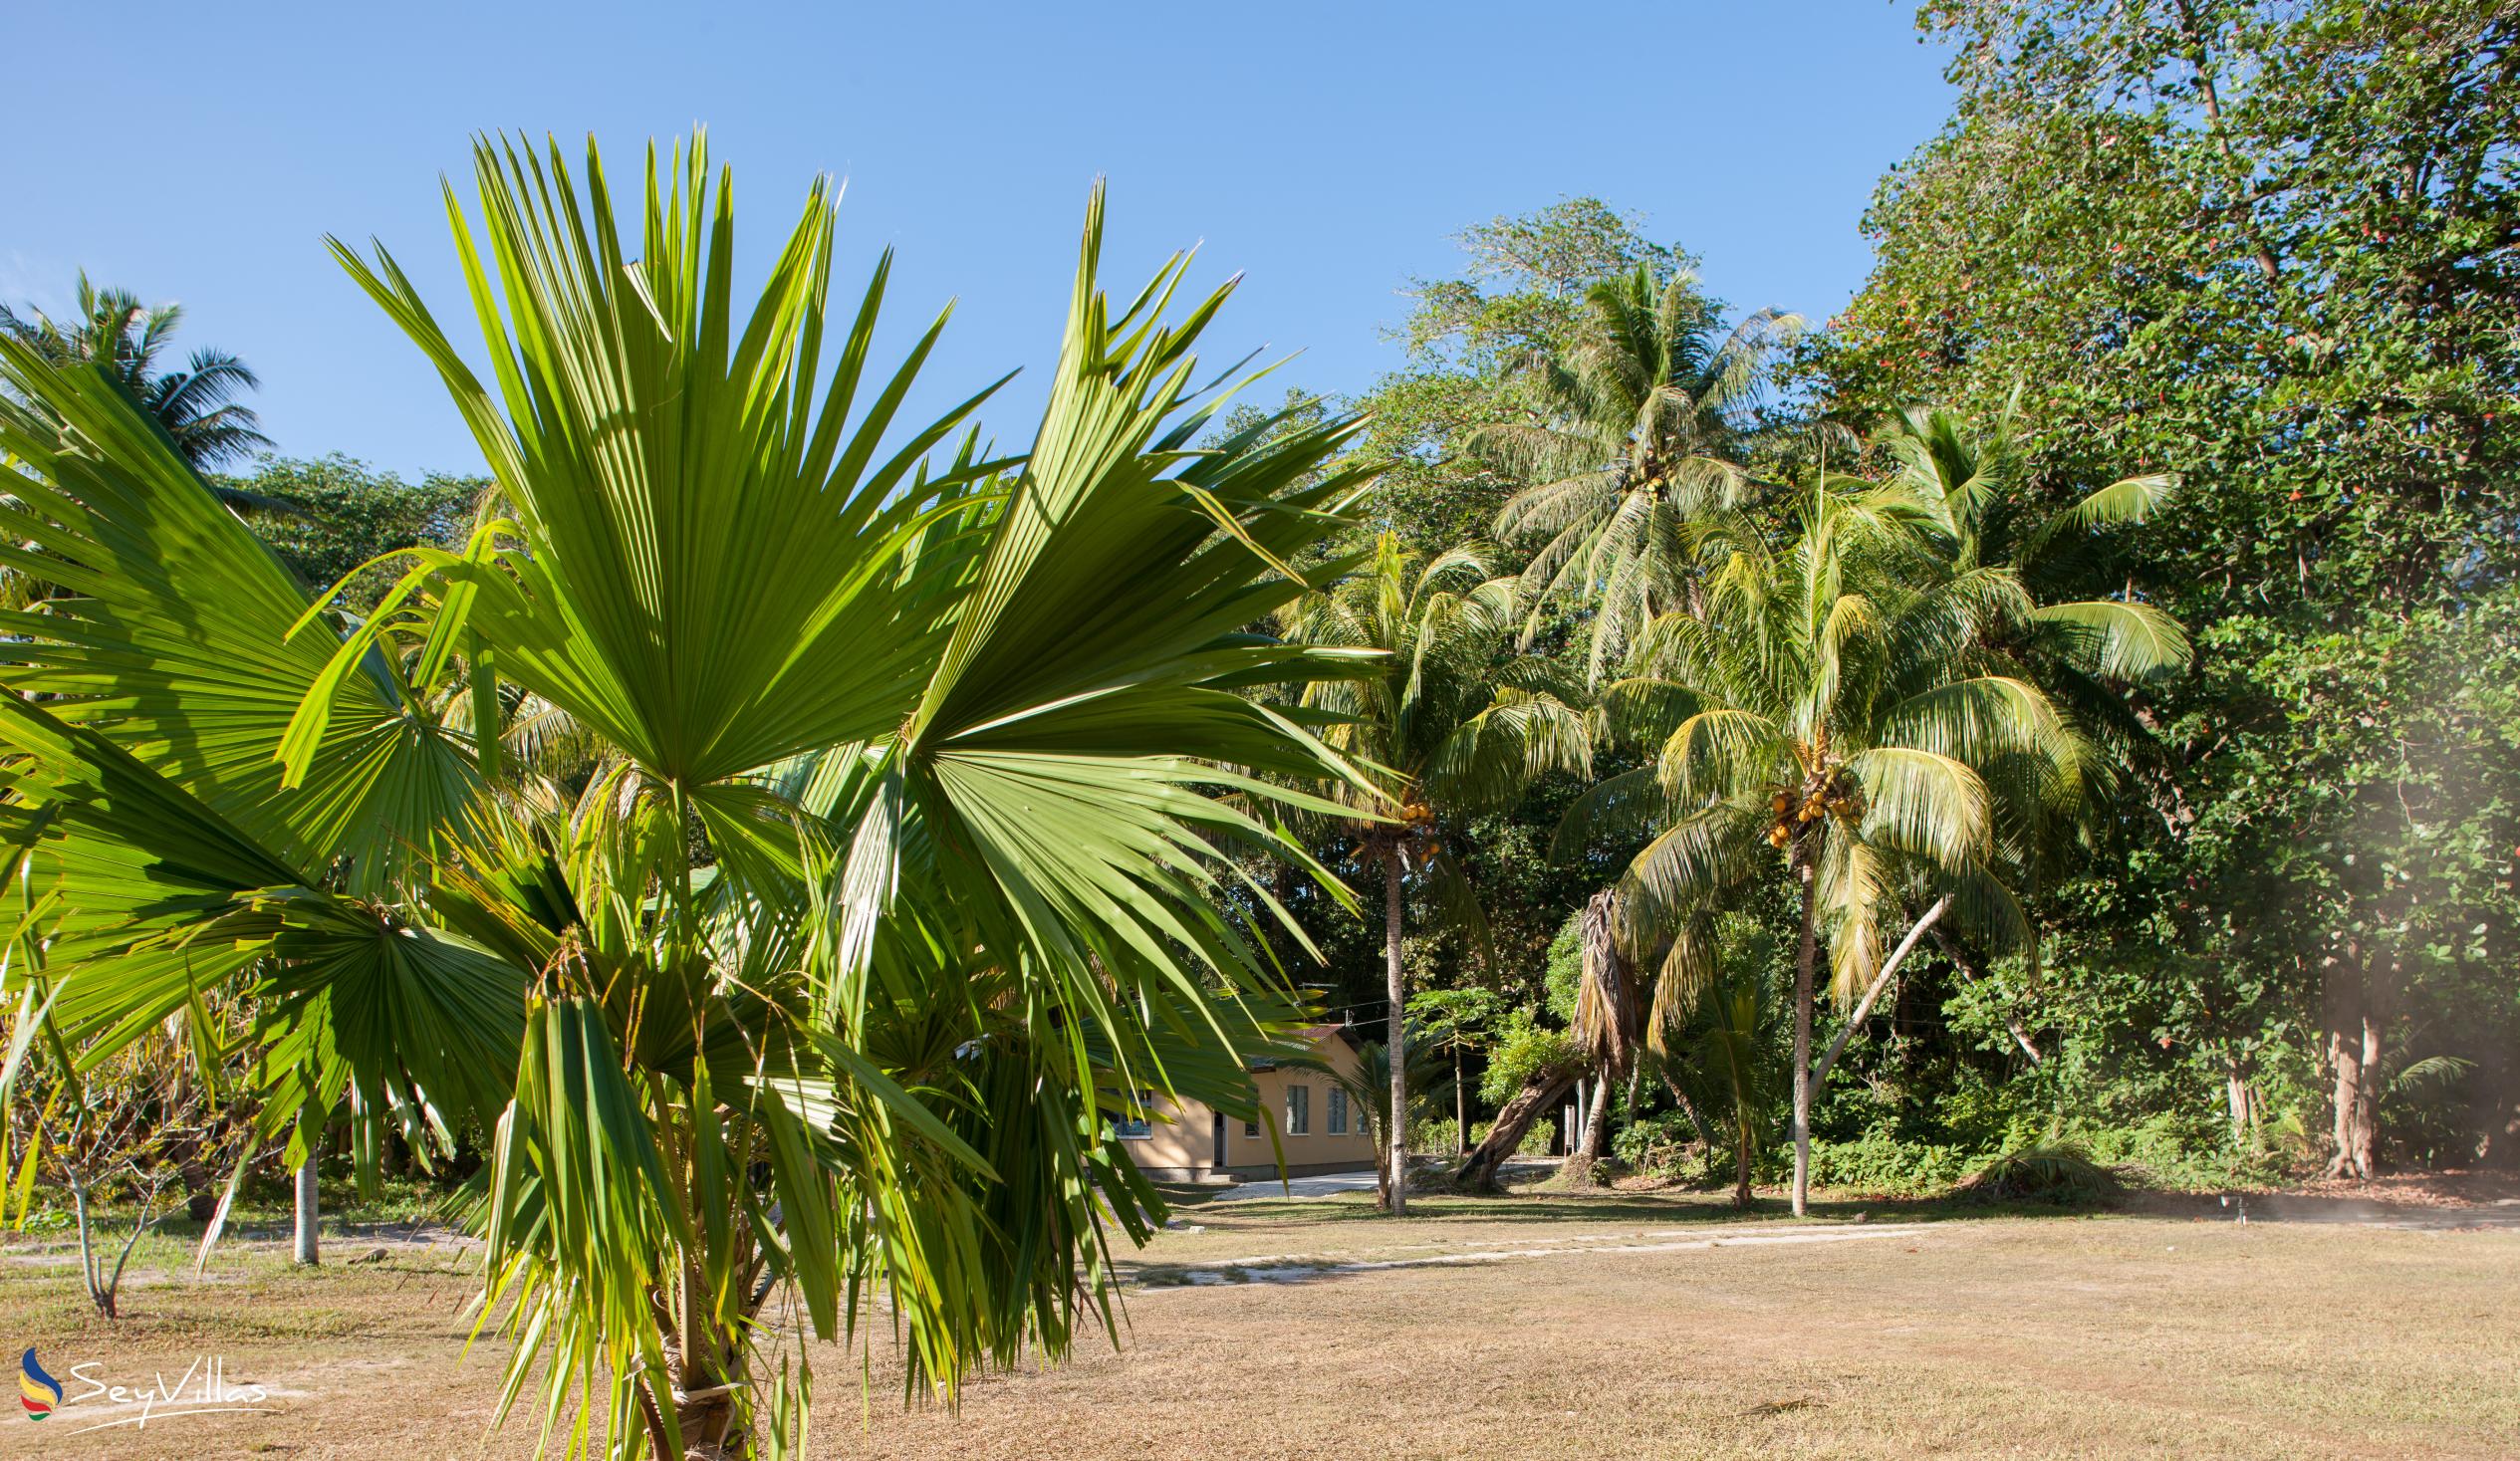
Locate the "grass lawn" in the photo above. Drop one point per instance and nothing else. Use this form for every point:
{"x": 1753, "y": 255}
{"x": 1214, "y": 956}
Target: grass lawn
{"x": 1525, "y": 1327}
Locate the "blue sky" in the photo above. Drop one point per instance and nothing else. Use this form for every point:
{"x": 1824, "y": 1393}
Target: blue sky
{"x": 1329, "y": 152}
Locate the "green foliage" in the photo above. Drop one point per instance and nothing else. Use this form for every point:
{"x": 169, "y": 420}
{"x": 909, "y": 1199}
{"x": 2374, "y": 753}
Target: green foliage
{"x": 1659, "y": 1144}
{"x": 1880, "y": 1162}
{"x": 1521, "y": 293}
{"x": 2267, "y": 247}
{"x": 1564, "y": 980}
{"x": 1526, "y": 1050}
{"x": 347, "y": 514}
{"x": 959, "y": 801}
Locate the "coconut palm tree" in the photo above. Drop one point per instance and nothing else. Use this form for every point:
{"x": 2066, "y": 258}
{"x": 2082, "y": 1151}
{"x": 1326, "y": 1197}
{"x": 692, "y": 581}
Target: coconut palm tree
{"x": 1826, "y": 714}
{"x": 196, "y": 404}
{"x": 1450, "y": 722}
{"x": 1631, "y": 438}
{"x": 899, "y": 862}
{"x": 1963, "y": 484}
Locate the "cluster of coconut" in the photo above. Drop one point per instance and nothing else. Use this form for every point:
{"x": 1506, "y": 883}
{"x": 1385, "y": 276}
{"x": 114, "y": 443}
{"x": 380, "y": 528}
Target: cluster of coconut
{"x": 1836, "y": 795}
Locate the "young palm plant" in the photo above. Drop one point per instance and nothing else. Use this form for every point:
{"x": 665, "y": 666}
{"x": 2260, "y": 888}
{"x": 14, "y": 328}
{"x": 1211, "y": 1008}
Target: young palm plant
{"x": 1633, "y": 439}
{"x": 899, "y": 862}
{"x": 1826, "y": 715}
{"x": 1451, "y": 722}
{"x": 1724, "y": 1060}
{"x": 1371, "y": 1089}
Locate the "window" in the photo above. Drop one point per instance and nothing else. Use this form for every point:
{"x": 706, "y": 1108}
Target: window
{"x": 1140, "y": 1127}
{"x": 1299, "y": 1111}
{"x": 1251, "y": 1128}
{"x": 1337, "y": 1111}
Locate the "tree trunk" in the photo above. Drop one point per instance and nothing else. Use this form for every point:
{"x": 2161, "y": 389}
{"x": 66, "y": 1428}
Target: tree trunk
{"x": 305, "y": 1254}
{"x": 1397, "y": 1042}
{"x": 1596, "y": 1117}
{"x": 1478, "y": 1173}
{"x": 1460, "y": 1107}
{"x": 2237, "y": 1098}
{"x": 1741, "y": 1169}
{"x": 2365, "y": 1129}
{"x": 1805, "y": 956}
{"x": 1688, "y": 1107}
{"x": 1880, "y": 981}
{"x": 2353, "y": 1053}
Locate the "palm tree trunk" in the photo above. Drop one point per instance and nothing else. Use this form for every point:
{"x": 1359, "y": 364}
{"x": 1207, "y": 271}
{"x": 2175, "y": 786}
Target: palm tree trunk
{"x": 1396, "y": 1158}
{"x": 1460, "y": 1105}
{"x": 1596, "y": 1115}
{"x": 1741, "y": 1166}
{"x": 2353, "y": 1053}
{"x": 1804, "y": 958}
{"x": 1880, "y": 981}
{"x": 304, "y": 1252}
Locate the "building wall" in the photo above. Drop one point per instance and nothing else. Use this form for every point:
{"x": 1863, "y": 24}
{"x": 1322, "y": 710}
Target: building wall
{"x": 1181, "y": 1138}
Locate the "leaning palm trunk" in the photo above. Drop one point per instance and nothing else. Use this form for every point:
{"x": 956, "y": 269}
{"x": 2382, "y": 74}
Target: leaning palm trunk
{"x": 305, "y": 1211}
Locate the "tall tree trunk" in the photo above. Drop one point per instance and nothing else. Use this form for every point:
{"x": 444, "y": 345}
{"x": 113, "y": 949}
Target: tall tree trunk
{"x": 1741, "y": 1166}
{"x": 306, "y": 1253}
{"x": 1505, "y": 1135}
{"x": 1396, "y": 1043}
{"x": 2354, "y": 1050}
{"x": 2237, "y": 1098}
{"x": 1460, "y": 1105}
{"x": 1807, "y": 954}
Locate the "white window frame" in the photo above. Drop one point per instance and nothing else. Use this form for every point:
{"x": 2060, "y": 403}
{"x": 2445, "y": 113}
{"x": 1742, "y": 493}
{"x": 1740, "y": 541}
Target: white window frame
{"x": 1337, "y": 1122}
{"x": 1299, "y": 1109}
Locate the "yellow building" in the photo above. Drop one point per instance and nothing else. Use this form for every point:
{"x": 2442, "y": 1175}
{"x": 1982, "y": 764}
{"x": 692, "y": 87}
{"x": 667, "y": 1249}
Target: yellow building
{"x": 1318, "y": 1126}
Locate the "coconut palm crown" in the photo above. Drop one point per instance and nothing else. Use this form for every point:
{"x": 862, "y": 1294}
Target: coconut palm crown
{"x": 196, "y": 404}
{"x": 1630, "y": 437}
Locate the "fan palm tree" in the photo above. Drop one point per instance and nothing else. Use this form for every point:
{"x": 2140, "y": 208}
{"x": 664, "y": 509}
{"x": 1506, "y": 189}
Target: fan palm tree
{"x": 1450, "y": 722}
{"x": 196, "y": 404}
{"x": 1828, "y": 715}
{"x": 1630, "y": 441}
{"x": 899, "y": 862}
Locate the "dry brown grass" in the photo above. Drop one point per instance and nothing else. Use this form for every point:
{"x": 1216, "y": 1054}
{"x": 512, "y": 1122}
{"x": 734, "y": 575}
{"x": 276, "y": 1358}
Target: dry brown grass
{"x": 2009, "y": 1336}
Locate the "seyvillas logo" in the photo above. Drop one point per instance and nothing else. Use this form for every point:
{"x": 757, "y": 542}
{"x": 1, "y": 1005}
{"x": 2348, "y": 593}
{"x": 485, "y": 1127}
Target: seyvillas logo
{"x": 202, "y": 1390}
{"x": 37, "y": 1391}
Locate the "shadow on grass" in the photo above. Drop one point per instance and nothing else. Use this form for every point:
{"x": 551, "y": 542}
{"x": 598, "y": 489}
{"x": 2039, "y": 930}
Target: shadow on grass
{"x": 1540, "y": 1206}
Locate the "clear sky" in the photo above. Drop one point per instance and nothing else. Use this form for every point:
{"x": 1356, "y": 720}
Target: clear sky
{"x": 199, "y": 154}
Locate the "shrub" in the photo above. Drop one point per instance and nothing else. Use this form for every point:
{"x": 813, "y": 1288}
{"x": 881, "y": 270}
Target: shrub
{"x": 1665, "y": 1142}
{"x": 1878, "y": 1161}
{"x": 2061, "y": 1173}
